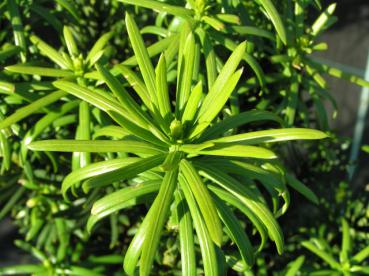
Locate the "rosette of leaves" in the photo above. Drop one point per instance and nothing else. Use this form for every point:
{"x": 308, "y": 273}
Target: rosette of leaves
{"x": 173, "y": 148}
{"x": 349, "y": 262}
{"x": 309, "y": 89}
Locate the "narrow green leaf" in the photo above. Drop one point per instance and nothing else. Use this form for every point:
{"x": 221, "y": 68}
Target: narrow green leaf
{"x": 161, "y": 7}
{"x": 251, "y": 30}
{"x": 207, "y": 246}
{"x": 235, "y": 151}
{"x": 142, "y": 56}
{"x": 162, "y": 88}
{"x": 129, "y": 171}
{"x": 204, "y": 201}
{"x": 161, "y": 207}
{"x": 273, "y": 135}
{"x": 235, "y": 188}
{"x": 207, "y": 111}
{"x": 6, "y": 88}
{"x": 346, "y": 245}
{"x": 44, "y": 122}
{"x": 361, "y": 256}
{"x": 235, "y": 232}
{"x": 23, "y": 269}
{"x": 172, "y": 160}
{"x": 70, "y": 42}
{"x": 95, "y": 146}
{"x": 186, "y": 235}
{"x": 17, "y": 25}
{"x": 155, "y": 30}
{"x": 84, "y": 132}
{"x": 295, "y": 266}
{"x": 96, "y": 99}
{"x": 192, "y": 104}
{"x": 328, "y": 258}
{"x": 238, "y": 120}
{"x": 213, "y": 22}
{"x": 123, "y": 96}
{"x": 169, "y": 43}
{"x": 137, "y": 84}
{"x": 119, "y": 200}
{"x": 70, "y": 7}
{"x": 333, "y": 71}
{"x": 24, "y": 112}
{"x": 41, "y": 71}
{"x": 49, "y": 52}
{"x": 98, "y": 46}
{"x": 210, "y": 56}
{"x": 4, "y": 153}
{"x": 301, "y": 188}
{"x": 110, "y": 131}
{"x": 186, "y": 73}
{"x": 322, "y": 22}
{"x": 249, "y": 59}
{"x": 151, "y": 135}
{"x": 275, "y": 18}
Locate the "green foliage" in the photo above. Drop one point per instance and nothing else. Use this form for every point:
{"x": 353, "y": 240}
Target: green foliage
{"x": 349, "y": 261}
{"x": 148, "y": 144}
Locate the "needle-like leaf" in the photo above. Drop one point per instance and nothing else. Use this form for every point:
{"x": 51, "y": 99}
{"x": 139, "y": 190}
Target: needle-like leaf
{"x": 204, "y": 201}
{"x": 161, "y": 208}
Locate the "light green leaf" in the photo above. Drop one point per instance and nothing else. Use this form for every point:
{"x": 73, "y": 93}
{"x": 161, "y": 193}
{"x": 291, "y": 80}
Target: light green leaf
{"x": 192, "y": 104}
{"x": 123, "y": 96}
{"x": 236, "y": 232}
{"x": 275, "y": 18}
{"x": 251, "y": 30}
{"x": 207, "y": 246}
{"x": 328, "y": 258}
{"x": 126, "y": 172}
{"x": 248, "y": 199}
{"x": 295, "y": 266}
{"x": 95, "y": 146}
{"x": 169, "y": 43}
{"x": 92, "y": 97}
{"x": 162, "y": 88}
{"x": 24, "y": 112}
{"x": 98, "y": 46}
{"x": 346, "y": 245}
{"x": 119, "y": 200}
{"x": 234, "y": 151}
{"x": 186, "y": 236}
{"x": 239, "y": 120}
{"x": 160, "y": 207}
{"x": 211, "y": 107}
{"x": 273, "y": 135}
{"x": 137, "y": 84}
{"x": 110, "y": 131}
{"x": 322, "y": 22}
{"x": 41, "y": 71}
{"x": 69, "y": 40}
{"x": 142, "y": 56}
{"x": 161, "y": 7}
{"x": 44, "y": 122}
{"x": 204, "y": 201}
{"x": 50, "y": 52}
{"x": 186, "y": 73}
{"x": 361, "y": 256}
